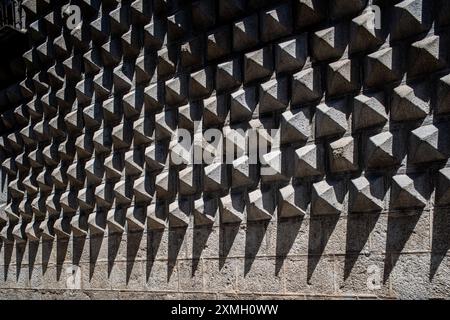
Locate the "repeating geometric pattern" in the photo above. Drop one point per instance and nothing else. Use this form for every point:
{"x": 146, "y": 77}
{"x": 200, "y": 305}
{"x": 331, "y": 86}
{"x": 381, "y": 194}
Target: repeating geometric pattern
{"x": 89, "y": 135}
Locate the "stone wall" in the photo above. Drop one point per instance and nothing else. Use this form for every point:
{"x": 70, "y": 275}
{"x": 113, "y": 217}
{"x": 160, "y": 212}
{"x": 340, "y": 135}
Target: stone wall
{"x": 352, "y": 203}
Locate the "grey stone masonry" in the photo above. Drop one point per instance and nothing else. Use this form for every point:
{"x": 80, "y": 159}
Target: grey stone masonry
{"x": 353, "y": 201}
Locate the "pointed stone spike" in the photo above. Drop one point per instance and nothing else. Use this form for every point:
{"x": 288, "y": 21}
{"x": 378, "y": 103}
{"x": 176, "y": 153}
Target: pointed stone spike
{"x": 426, "y": 56}
{"x": 291, "y": 55}
{"x": 343, "y": 155}
{"x": 258, "y": 64}
{"x": 406, "y": 105}
{"x": 205, "y": 211}
{"x": 342, "y": 77}
{"x": 324, "y": 199}
{"x": 228, "y": 75}
{"x": 243, "y": 173}
{"x": 309, "y": 161}
{"x": 306, "y": 86}
{"x": 366, "y": 195}
{"x": 242, "y": 104}
{"x": 379, "y": 152}
{"x": 309, "y": 12}
{"x": 369, "y": 111}
{"x": 382, "y": 67}
{"x": 142, "y": 191}
{"x": 261, "y": 206}
{"x": 136, "y": 217}
{"x": 410, "y": 17}
{"x": 425, "y": 145}
{"x": 179, "y": 214}
{"x": 218, "y": 43}
{"x": 405, "y": 192}
{"x": 295, "y": 126}
{"x": 364, "y": 35}
{"x": 331, "y": 119}
{"x": 245, "y": 33}
{"x": 289, "y": 203}
{"x": 276, "y": 23}
{"x": 329, "y": 43}
{"x": 443, "y": 187}
{"x": 156, "y": 217}
{"x": 273, "y": 95}
{"x": 215, "y": 178}
{"x": 232, "y": 208}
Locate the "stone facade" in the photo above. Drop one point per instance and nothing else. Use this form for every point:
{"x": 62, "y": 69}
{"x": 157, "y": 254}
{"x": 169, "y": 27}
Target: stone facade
{"x": 94, "y": 205}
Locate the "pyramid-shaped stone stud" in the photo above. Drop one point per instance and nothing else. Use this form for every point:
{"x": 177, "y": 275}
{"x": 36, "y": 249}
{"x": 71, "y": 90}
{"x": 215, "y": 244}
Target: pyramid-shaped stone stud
{"x": 141, "y": 12}
{"x": 306, "y": 86}
{"x": 134, "y": 161}
{"x": 178, "y": 25}
{"x": 228, "y": 75}
{"x": 104, "y": 195}
{"x": 18, "y": 232}
{"x": 142, "y": 191}
{"x": 330, "y": 43}
{"x": 232, "y": 208}
{"x": 215, "y": 110}
{"x": 426, "y": 145}
{"x": 342, "y": 77}
{"x": 179, "y": 214}
{"x": 156, "y": 216}
{"x": 94, "y": 171}
{"x": 102, "y": 85}
{"x": 426, "y": 56}
{"x": 84, "y": 91}
{"x": 218, "y": 43}
{"x": 114, "y": 166}
{"x": 443, "y": 98}
{"x": 242, "y": 104}
{"x": 86, "y": 198}
{"x": 258, "y": 64}
{"x": 123, "y": 78}
{"x": 261, "y": 206}
{"x": 331, "y": 119}
{"x": 100, "y": 29}
{"x": 166, "y": 63}
{"x": 276, "y": 23}
{"x": 205, "y": 211}
{"x": 366, "y": 194}
{"x": 295, "y": 126}
{"x": 231, "y": 9}
{"x": 145, "y": 69}
{"x": 325, "y": 199}
{"x": 15, "y": 191}
{"x": 380, "y": 151}
{"x": 79, "y": 225}
{"x": 62, "y": 47}
{"x": 309, "y": 161}
{"x": 343, "y": 155}
{"x": 102, "y": 141}
{"x": 200, "y": 84}
{"x": 142, "y": 132}
{"x": 364, "y": 34}
{"x": 410, "y": 17}
{"x": 369, "y": 111}
{"x": 84, "y": 146}
{"x": 97, "y": 224}
{"x": 443, "y": 187}
{"x": 408, "y": 192}
{"x": 188, "y": 179}
{"x": 112, "y": 110}
{"x": 136, "y": 217}
{"x": 92, "y": 62}
{"x": 443, "y": 14}
{"x": 289, "y": 203}
{"x": 291, "y": 55}
{"x": 111, "y": 53}
{"x": 215, "y": 177}
{"x": 243, "y": 173}
{"x": 245, "y": 33}
{"x": 273, "y": 95}
{"x": 164, "y": 185}
{"x": 155, "y": 157}
{"x": 191, "y": 53}
{"x": 131, "y": 42}
{"x": 164, "y": 128}
{"x": 309, "y": 12}
{"x": 153, "y": 97}
{"x": 406, "y": 105}
{"x": 133, "y": 102}
{"x": 59, "y": 178}
{"x": 176, "y": 91}
{"x": 68, "y": 202}
{"x": 119, "y": 19}
{"x": 155, "y": 33}
{"x": 383, "y": 66}
{"x": 33, "y": 231}
{"x": 115, "y": 220}
{"x": 122, "y": 136}
{"x": 73, "y": 66}
{"x": 93, "y": 114}
{"x": 272, "y": 166}
{"x": 62, "y": 228}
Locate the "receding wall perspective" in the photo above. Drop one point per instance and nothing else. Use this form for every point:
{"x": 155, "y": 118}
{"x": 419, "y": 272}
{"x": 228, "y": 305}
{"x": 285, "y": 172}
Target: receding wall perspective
{"x": 165, "y": 149}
